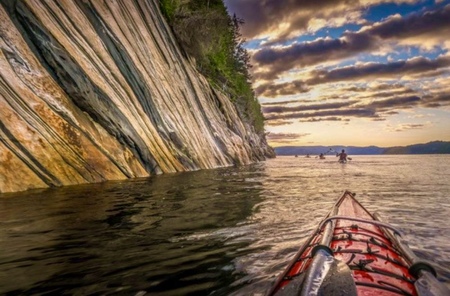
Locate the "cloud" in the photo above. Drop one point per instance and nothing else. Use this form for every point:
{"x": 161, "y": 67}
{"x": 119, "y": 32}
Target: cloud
{"x": 392, "y": 93}
{"x": 285, "y": 137}
{"x": 314, "y": 107}
{"x": 281, "y": 89}
{"x": 386, "y": 86}
{"x": 427, "y": 29}
{"x": 436, "y": 100}
{"x": 330, "y": 61}
{"x": 307, "y": 53}
{"x": 331, "y": 118}
{"x": 280, "y": 103}
{"x": 374, "y": 110}
{"x": 415, "y": 65}
{"x": 405, "y": 127}
{"x": 279, "y": 122}
{"x": 279, "y": 19}
{"x": 356, "y": 112}
{"x": 396, "y": 102}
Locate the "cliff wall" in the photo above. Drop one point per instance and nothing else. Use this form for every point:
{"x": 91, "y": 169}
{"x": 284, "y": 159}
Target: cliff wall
{"x": 98, "y": 90}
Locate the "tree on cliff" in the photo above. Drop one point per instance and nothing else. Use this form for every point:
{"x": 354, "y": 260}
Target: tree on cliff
{"x": 241, "y": 56}
{"x": 212, "y": 38}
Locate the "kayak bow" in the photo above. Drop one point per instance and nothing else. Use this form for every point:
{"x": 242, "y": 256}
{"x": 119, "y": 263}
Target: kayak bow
{"x": 353, "y": 252}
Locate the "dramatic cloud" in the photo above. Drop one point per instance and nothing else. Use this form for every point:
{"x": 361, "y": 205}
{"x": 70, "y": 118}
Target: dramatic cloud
{"x": 416, "y": 29}
{"x": 334, "y": 111}
{"x": 308, "y": 53}
{"x": 279, "y": 18}
{"x": 361, "y": 72}
{"x": 418, "y": 65}
{"x": 357, "y": 63}
{"x": 400, "y": 102}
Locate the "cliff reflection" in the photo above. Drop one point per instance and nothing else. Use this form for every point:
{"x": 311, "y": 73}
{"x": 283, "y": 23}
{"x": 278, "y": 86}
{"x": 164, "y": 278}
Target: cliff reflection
{"x": 127, "y": 236}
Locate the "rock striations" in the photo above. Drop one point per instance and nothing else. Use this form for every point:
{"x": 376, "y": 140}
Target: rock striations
{"x": 98, "y": 90}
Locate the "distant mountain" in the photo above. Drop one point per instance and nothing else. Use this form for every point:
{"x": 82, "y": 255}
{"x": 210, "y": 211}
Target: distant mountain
{"x": 436, "y": 147}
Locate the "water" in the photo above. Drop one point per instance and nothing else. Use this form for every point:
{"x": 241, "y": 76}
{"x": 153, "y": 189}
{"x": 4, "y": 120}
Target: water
{"x": 228, "y": 231}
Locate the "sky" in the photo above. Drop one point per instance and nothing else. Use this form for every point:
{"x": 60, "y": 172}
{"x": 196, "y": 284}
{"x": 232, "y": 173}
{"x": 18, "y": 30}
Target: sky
{"x": 349, "y": 72}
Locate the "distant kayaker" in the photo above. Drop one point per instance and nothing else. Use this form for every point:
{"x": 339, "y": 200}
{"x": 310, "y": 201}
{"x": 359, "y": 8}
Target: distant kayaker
{"x": 342, "y": 156}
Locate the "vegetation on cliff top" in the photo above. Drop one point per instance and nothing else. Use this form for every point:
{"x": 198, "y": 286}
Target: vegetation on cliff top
{"x": 209, "y": 35}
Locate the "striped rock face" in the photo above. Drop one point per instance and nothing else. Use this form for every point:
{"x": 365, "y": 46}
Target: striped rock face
{"x": 98, "y": 90}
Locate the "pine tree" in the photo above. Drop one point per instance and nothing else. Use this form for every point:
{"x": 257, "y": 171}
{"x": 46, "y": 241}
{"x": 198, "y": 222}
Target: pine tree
{"x": 240, "y": 53}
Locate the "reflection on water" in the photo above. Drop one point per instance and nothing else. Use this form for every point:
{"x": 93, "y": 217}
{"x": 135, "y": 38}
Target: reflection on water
{"x": 126, "y": 236}
{"x": 217, "y": 232}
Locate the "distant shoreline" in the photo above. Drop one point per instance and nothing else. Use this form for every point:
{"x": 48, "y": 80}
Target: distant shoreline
{"x": 435, "y": 147}
{"x": 331, "y": 156}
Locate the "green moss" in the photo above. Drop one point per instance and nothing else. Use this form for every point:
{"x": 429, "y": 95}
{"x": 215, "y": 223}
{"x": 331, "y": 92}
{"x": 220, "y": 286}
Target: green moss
{"x": 168, "y": 8}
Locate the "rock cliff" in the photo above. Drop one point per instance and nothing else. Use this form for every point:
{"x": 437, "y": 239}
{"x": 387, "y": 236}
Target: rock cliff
{"x": 99, "y": 90}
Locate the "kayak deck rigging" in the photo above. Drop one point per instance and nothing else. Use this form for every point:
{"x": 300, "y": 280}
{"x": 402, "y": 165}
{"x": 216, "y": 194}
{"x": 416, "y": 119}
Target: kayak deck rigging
{"x": 352, "y": 252}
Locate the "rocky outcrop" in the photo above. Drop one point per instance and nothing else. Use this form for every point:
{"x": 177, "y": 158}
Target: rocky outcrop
{"x": 98, "y": 90}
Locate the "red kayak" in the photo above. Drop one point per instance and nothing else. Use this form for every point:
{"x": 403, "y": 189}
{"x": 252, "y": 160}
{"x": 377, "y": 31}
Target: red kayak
{"x": 353, "y": 252}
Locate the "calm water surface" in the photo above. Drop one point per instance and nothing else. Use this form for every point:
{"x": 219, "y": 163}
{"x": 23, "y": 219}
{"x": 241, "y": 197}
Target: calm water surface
{"x": 228, "y": 231}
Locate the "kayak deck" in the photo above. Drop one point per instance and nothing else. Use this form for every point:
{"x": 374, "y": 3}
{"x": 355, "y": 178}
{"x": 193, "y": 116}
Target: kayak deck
{"x": 378, "y": 268}
{"x": 350, "y": 250}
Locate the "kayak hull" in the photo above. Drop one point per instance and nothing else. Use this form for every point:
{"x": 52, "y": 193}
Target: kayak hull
{"x": 351, "y": 246}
